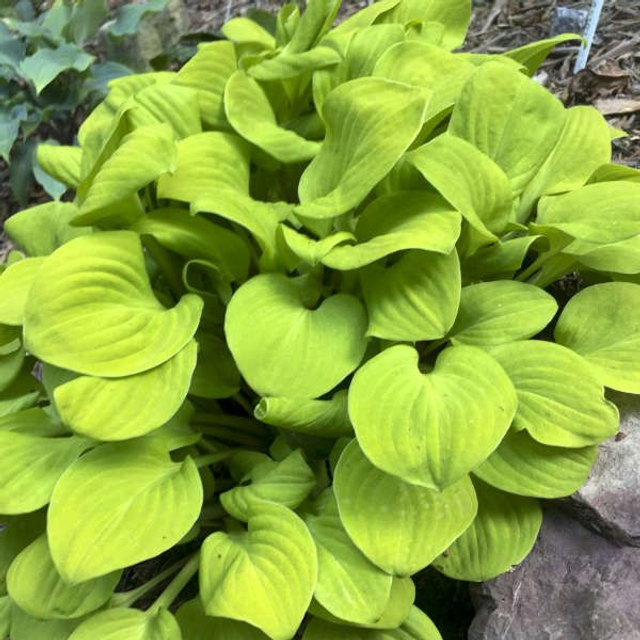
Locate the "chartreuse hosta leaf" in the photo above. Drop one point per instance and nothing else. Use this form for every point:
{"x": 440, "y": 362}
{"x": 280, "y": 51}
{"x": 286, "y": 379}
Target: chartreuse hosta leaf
{"x": 91, "y": 309}
{"x": 400, "y": 527}
{"x": 23, "y": 393}
{"x": 408, "y": 422}
{"x": 560, "y": 398}
{"x": 417, "y": 626}
{"x": 196, "y": 237}
{"x": 493, "y": 313}
{"x": 26, "y": 627}
{"x": 327, "y": 418}
{"x": 313, "y": 24}
{"x": 216, "y": 374}
{"x": 128, "y": 407}
{"x": 61, "y": 162}
{"x": 250, "y": 114}
{"x": 207, "y": 73}
{"x": 523, "y": 466}
{"x": 129, "y": 624}
{"x": 534, "y": 54}
{"x": 510, "y": 118}
{"x": 287, "y": 482}
{"x": 16, "y": 534}
{"x": 609, "y": 341}
{"x": 143, "y": 155}
{"x": 413, "y": 299}
{"x": 469, "y": 180}
{"x": 265, "y": 576}
{"x": 15, "y": 283}
{"x": 35, "y": 585}
{"x": 10, "y": 366}
{"x": 5, "y": 616}
{"x": 288, "y": 66}
{"x": 31, "y": 468}
{"x": 398, "y": 607}
{"x": 245, "y": 30}
{"x": 349, "y": 586}
{"x": 196, "y": 625}
{"x": 370, "y": 123}
{"x": 500, "y": 537}
{"x": 136, "y": 503}
{"x": 34, "y": 422}
{"x": 284, "y": 346}
{"x": 583, "y": 146}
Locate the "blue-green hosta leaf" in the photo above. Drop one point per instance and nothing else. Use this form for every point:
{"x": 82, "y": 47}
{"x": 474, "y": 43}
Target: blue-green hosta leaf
{"x": 35, "y": 585}
{"x": 601, "y": 324}
{"x": 370, "y": 123}
{"x": 196, "y": 237}
{"x": 510, "y": 118}
{"x": 245, "y": 30}
{"x": 400, "y": 527}
{"x": 91, "y": 310}
{"x": 415, "y": 298}
{"x": 284, "y": 346}
{"x": 349, "y": 586}
{"x": 472, "y": 182}
{"x": 500, "y": 537}
{"x": 207, "y": 73}
{"x": 123, "y": 408}
{"x": 523, "y": 466}
{"x": 560, "y": 398}
{"x": 408, "y": 422}
{"x": 135, "y": 503}
{"x": 196, "y": 625}
{"x": 326, "y": 418}
{"x": 216, "y": 374}
{"x": 274, "y": 563}
{"x": 45, "y": 65}
{"x": 61, "y": 162}
{"x": 397, "y": 222}
{"x": 425, "y": 65}
{"x": 583, "y": 146}
{"x": 290, "y": 65}
{"x": 250, "y": 114}
{"x": 502, "y": 311}
{"x": 26, "y": 627}
{"x": 454, "y": 16}
{"x": 172, "y": 104}
{"x": 534, "y": 54}
{"x": 417, "y": 626}
{"x": 32, "y": 466}
{"x": 128, "y": 624}
{"x": 15, "y": 284}
{"x": 143, "y": 155}
{"x": 287, "y": 482}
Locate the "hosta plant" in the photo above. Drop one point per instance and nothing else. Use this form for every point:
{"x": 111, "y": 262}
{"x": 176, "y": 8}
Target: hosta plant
{"x": 293, "y": 334}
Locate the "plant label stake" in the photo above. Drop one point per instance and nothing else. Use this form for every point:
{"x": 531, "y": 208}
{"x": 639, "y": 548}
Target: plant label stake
{"x": 590, "y": 32}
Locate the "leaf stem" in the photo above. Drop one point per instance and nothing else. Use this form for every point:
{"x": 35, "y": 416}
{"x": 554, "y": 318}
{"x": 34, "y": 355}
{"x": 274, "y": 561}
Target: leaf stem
{"x": 212, "y": 458}
{"x": 230, "y": 434}
{"x": 177, "y": 584}
{"x": 128, "y": 598}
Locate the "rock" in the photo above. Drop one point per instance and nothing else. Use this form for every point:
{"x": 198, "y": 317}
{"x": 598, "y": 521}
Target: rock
{"x": 565, "y": 20}
{"x": 575, "y": 585}
{"x": 609, "y": 502}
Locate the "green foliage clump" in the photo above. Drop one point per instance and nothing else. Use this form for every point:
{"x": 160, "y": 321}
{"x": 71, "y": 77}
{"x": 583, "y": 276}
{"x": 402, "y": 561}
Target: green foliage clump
{"x": 293, "y": 330}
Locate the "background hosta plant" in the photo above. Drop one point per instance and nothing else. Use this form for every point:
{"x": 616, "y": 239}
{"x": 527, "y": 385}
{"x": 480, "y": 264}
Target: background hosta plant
{"x": 293, "y": 334}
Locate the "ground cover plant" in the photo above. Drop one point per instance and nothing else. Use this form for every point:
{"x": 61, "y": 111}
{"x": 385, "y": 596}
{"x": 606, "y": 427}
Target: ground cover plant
{"x": 293, "y": 332}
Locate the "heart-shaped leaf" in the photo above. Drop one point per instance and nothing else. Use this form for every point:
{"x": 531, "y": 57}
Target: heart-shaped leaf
{"x": 413, "y": 525}
{"x": 32, "y": 466}
{"x": 15, "y": 283}
{"x": 123, "y": 408}
{"x": 523, "y": 466}
{"x": 147, "y": 504}
{"x": 417, "y": 626}
{"x": 500, "y": 537}
{"x": 415, "y": 298}
{"x": 493, "y": 313}
{"x": 61, "y": 162}
{"x": 349, "y": 586}
{"x": 274, "y": 563}
{"x": 407, "y": 422}
{"x": 378, "y": 119}
{"x": 284, "y": 348}
{"x": 35, "y": 585}
{"x": 609, "y": 341}
{"x": 129, "y": 624}
{"x": 91, "y": 309}
{"x": 560, "y": 399}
